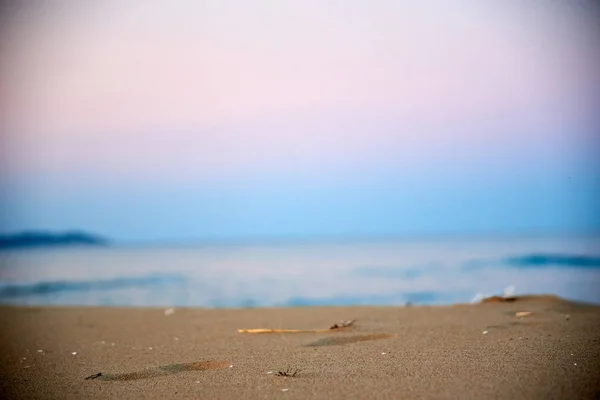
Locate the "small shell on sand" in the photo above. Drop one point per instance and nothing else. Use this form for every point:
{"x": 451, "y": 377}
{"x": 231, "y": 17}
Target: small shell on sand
{"x": 521, "y": 314}
{"x": 169, "y": 311}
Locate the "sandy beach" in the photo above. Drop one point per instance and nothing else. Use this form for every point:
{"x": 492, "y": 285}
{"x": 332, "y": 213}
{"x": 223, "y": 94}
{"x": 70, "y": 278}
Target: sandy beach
{"x": 552, "y": 350}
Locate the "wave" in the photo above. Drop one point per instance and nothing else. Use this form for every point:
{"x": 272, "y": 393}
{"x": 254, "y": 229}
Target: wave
{"x": 364, "y": 300}
{"x": 392, "y": 273}
{"x": 541, "y": 260}
{"x": 46, "y": 287}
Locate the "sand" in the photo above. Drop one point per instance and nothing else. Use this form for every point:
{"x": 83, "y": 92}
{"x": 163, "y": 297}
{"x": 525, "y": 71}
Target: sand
{"x": 455, "y": 352}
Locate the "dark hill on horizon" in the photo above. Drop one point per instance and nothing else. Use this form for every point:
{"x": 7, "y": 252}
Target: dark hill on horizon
{"x": 33, "y": 239}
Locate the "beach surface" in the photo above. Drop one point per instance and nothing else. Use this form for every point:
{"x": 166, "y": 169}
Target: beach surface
{"x": 420, "y": 352}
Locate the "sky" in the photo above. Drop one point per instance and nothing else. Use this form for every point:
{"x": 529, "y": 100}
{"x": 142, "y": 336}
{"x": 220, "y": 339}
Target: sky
{"x": 148, "y": 120}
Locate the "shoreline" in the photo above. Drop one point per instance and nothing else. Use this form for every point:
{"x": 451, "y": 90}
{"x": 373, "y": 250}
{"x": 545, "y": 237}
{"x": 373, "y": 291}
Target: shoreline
{"x": 408, "y": 304}
{"x": 440, "y": 351}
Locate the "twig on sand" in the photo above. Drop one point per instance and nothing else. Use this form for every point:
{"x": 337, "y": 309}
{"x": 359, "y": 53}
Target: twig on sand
{"x": 288, "y": 373}
{"x": 343, "y": 324}
{"x": 94, "y": 376}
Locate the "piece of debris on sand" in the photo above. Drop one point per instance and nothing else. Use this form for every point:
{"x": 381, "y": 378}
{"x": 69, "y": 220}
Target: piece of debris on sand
{"x": 341, "y": 325}
{"x": 522, "y": 314}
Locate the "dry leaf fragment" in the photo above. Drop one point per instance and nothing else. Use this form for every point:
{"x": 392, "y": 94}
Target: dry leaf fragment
{"x": 287, "y": 373}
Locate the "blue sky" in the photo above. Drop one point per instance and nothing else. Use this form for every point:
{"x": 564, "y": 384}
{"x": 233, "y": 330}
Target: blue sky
{"x": 287, "y": 207}
{"x": 214, "y": 119}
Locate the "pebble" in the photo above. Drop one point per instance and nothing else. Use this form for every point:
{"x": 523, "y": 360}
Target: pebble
{"x": 523, "y": 314}
{"x": 169, "y": 311}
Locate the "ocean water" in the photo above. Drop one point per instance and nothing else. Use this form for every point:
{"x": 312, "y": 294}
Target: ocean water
{"x": 375, "y": 272}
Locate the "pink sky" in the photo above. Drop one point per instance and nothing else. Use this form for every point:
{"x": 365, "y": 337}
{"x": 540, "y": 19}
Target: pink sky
{"x": 198, "y": 89}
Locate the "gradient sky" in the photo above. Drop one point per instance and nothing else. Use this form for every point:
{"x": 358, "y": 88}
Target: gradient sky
{"x": 144, "y": 120}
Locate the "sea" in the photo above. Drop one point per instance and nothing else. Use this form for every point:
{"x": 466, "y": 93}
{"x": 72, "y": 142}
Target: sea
{"x": 378, "y": 272}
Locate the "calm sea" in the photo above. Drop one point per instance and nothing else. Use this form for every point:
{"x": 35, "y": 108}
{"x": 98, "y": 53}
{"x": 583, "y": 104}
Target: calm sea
{"x": 385, "y": 272}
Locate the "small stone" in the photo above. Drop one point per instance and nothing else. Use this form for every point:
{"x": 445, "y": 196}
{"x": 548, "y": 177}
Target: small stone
{"x": 169, "y": 311}
{"x": 284, "y": 390}
{"x": 231, "y": 366}
{"x": 74, "y": 353}
{"x": 383, "y": 353}
{"x": 522, "y": 314}
{"x": 149, "y": 348}
{"x": 40, "y": 351}
{"x": 485, "y": 332}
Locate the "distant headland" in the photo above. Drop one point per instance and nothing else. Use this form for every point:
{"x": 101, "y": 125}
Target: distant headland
{"x": 35, "y": 239}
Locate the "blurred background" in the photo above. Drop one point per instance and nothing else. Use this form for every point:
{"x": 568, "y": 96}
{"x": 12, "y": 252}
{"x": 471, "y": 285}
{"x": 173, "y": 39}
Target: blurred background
{"x": 224, "y": 153}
